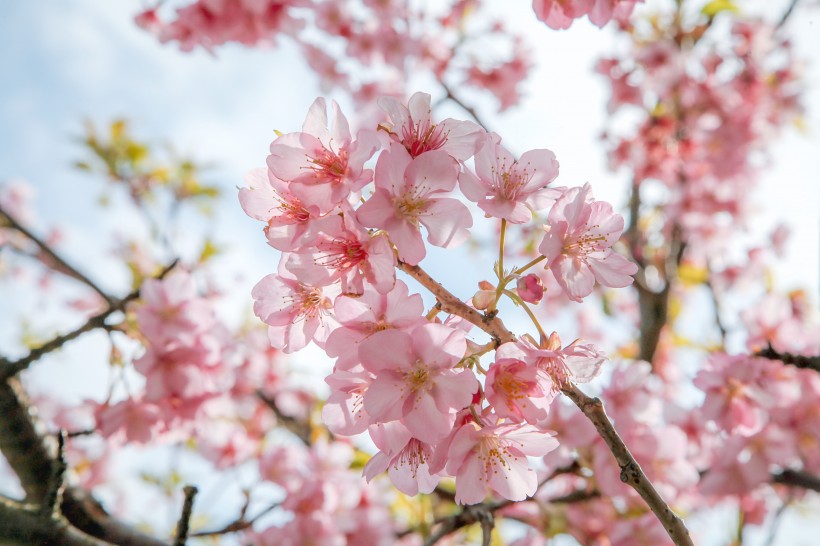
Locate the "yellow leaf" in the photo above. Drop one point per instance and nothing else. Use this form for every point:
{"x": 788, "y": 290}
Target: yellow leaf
{"x": 118, "y": 129}
{"x": 209, "y": 250}
{"x": 692, "y": 275}
{"x": 716, "y": 6}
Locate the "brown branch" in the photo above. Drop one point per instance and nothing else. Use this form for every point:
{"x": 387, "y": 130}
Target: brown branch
{"x": 593, "y": 409}
{"x": 454, "y": 306}
{"x": 183, "y": 525}
{"x": 631, "y": 472}
{"x": 10, "y": 368}
{"x": 33, "y": 454}
{"x": 25, "y": 525}
{"x": 59, "y": 263}
{"x": 796, "y": 478}
{"x": 240, "y": 524}
{"x": 799, "y": 361}
{"x": 294, "y": 426}
{"x": 56, "y": 486}
{"x": 469, "y": 109}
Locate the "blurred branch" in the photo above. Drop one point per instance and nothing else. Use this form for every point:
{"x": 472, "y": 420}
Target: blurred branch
{"x": 9, "y": 368}
{"x": 240, "y": 524}
{"x": 469, "y": 109}
{"x": 183, "y": 525}
{"x": 58, "y": 264}
{"x": 25, "y": 525}
{"x": 786, "y": 14}
{"x": 296, "y": 427}
{"x": 33, "y": 454}
{"x": 593, "y": 408}
{"x": 796, "y": 478}
{"x": 798, "y": 361}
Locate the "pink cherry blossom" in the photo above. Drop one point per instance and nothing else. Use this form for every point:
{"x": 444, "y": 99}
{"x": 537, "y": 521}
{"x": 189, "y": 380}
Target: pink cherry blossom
{"x": 403, "y": 457}
{"x": 295, "y": 312}
{"x": 343, "y": 251}
{"x": 579, "y": 235}
{"x": 518, "y": 391}
{"x": 139, "y": 421}
{"x": 361, "y": 317}
{"x": 343, "y": 412}
{"x": 270, "y": 200}
{"x": 575, "y": 363}
{"x": 323, "y": 165}
{"x": 508, "y": 188}
{"x": 410, "y": 191}
{"x": 494, "y": 459}
{"x": 412, "y": 127}
{"x": 416, "y": 381}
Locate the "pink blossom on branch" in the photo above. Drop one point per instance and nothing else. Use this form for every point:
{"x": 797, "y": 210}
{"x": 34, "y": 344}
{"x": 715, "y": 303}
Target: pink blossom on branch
{"x": 343, "y": 251}
{"x": 411, "y": 191}
{"x": 560, "y": 14}
{"x": 323, "y": 164}
{"x": 508, "y": 188}
{"x": 416, "y": 379}
{"x": 579, "y": 235}
{"x": 493, "y": 458}
{"x": 412, "y": 127}
{"x": 295, "y": 313}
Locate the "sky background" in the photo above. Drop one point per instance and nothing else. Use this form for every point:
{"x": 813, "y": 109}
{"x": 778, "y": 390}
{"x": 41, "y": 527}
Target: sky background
{"x": 65, "y": 62}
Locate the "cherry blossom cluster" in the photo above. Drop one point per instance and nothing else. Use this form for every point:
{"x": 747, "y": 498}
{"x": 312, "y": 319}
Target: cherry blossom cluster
{"x": 560, "y": 14}
{"x": 408, "y": 379}
{"x": 709, "y": 104}
{"x": 363, "y": 47}
{"x": 329, "y": 502}
{"x": 196, "y": 371}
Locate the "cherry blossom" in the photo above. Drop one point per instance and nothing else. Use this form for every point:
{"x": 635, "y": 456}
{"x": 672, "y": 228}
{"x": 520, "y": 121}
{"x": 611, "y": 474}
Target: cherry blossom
{"x": 416, "y": 379}
{"x": 411, "y": 191}
{"x": 579, "y": 235}
{"x": 508, "y": 188}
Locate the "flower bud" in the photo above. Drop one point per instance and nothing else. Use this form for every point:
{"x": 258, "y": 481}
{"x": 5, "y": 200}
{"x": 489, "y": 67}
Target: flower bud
{"x": 530, "y": 288}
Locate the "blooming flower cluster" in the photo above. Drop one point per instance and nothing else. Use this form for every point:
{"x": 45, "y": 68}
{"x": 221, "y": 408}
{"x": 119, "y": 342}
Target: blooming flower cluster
{"x": 706, "y": 115}
{"x": 379, "y": 47}
{"x": 559, "y": 14}
{"x": 406, "y": 378}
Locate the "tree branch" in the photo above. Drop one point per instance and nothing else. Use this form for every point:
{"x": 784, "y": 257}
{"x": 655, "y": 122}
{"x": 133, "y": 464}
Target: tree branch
{"x": 26, "y": 525}
{"x": 469, "y": 109}
{"x": 798, "y": 361}
{"x": 796, "y": 478}
{"x": 59, "y": 263}
{"x": 786, "y": 14}
{"x": 11, "y": 368}
{"x": 593, "y": 409}
{"x": 183, "y": 525}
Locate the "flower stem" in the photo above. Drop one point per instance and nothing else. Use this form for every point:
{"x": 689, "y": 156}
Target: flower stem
{"x": 539, "y": 259}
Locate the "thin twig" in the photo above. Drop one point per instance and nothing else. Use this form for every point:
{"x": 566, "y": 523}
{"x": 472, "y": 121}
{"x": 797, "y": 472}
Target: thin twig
{"x": 56, "y": 485}
{"x": 786, "y": 14}
{"x": 296, "y": 427}
{"x": 796, "y": 478}
{"x": 10, "y": 368}
{"x": 799, "y": 361}
{"x": 593, "y": 409}
{"x": 778, "y": 518}
{"x": 184, "y": 522}
{"x": 469, "y": 109}
{"x": 240, "y": 524}
{"x": 59, "y": 263}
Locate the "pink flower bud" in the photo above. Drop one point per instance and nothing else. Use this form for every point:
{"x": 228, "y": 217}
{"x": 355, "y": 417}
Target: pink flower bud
{"x": 530, "y": 288}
